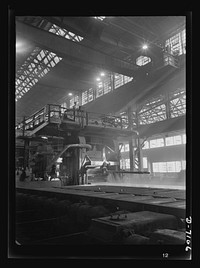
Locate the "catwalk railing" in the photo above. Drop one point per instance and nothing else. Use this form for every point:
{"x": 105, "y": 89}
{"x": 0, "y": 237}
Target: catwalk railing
{"x": 53, "y": 113}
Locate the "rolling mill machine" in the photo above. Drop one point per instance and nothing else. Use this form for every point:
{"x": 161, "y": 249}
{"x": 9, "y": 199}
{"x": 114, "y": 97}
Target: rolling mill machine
{"x": 72, "y": 142}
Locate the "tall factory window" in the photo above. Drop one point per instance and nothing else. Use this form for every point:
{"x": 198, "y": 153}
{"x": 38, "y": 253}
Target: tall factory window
{"x": 118, "y": 80}
{"x": 104, "y": 85}
{"x": 171, "y": 166}
{"x": 71, "y": 102}
{"x": 178, "y": 166}
{"x": 127, "y": 79}
{"x": 176, "y": 45}
{"x": 184, "y": 138}
{"x": 74, "y": 100}
{"x": 160, "y": 167}
{"x": 169, "y": 141}
{"x": 177, "y": 102}
{"x": 155, "y": 167}
{"x": 177, "y": 140}
{"x": 145, "y": 163}
{"x": 99, "y": 91}
{"x": 107, "y": 85}
{"x": 63, "y": 107}
{"x": 142, "y": 60}
{"x": 174, "y": 140}
{"x": 66, "y": 34}
{"x": 122, "y": 164}
{"x": 37, "y": 65}
{"x": 156, "y": 143}
{"x": 126, "y": 147}
{"x": 84, "y": 97}
{"x": 90, "y": 95}
{"x": 125, "y": 163}
{"x": 163, "y": 167}
{"x": 178, "y": 106}
{"x": 152, "y": 111}
{"x": 146, "y": 145}
{"x": 122, "y": 148}
{"x": 183, "y": 164}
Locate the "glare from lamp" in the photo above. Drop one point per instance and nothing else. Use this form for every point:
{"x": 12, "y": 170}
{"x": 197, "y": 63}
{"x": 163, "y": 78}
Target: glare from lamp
{"x": 102, "y": 74}
{"x": 144, "y": 47}
{"x": 98, "y": 79}
{"x": 20, "y": 47}
{"x": 44, "y": 137}
{"x": 70, "y": 94}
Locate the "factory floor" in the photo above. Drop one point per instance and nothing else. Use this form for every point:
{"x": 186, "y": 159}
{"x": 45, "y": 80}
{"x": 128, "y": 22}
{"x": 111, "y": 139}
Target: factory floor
{"x": 50, "y": 213}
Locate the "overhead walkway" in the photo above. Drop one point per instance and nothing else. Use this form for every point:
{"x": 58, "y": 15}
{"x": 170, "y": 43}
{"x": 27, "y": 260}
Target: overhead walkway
{"x": 73, "y": 119}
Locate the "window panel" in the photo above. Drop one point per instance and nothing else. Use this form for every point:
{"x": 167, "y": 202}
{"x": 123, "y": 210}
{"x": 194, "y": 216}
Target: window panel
{"x": 162, "y": 167}
{"x": 126, "y": 147}
{"x": 157, "y": 143}
{"x": 127, "y": 79}
{"x": 178, "y": 166}
{"x": 171, "y": 166}
{"x": 127, "y": 163}
{"x": 118, "y": 80}
{"x": 145, "y": 163}
{"x": 183, "y": 164}
{"x": 169, "y": 141}
{"x": 122, "y": 164}
{"x": 184, "y": 138}
{"x": 107, "y": 85}
{"x": 146, "y": 145}
{"x": 90, "y": 95}
{"x": 176, "y": 44}
{"x": 173, "y": 140}
{"x": 99, "y": 89}
{"x": 122, "y": 148}
{"x": 84, "y": 97}
{"x": 177, "y": 139}
{"x": 71, "y": 102}
{"x": 155, "y": 167}
{"x": 142, "y": 60}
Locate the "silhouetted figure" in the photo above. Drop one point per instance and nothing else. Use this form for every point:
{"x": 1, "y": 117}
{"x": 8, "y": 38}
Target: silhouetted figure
{"x": 23, "y": 176}
{"x": 104, "y": 168}
{"x": 53, "y": 172}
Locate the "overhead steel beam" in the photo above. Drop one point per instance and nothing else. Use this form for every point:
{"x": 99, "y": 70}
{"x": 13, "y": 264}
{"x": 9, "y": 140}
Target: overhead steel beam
{"x": 64, "y": 47}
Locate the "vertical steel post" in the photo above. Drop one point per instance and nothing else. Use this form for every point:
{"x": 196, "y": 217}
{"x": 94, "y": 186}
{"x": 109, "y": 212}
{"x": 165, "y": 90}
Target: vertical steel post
{"x": 86, "y": 118}
{"x": 167, "y": 104}
{"x": 138, "y": 142}
{"x": 130, "y": 127}
{"x": 49, "y": 112}
{"x": 23, "y": 126}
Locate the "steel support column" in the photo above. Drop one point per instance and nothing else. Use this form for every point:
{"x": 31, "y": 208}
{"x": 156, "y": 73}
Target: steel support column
{"x": 138, "y": 143}
{"x": 130, "y": 126}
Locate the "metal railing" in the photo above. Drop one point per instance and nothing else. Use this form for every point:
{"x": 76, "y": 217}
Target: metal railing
{"x": 53, "y": 113}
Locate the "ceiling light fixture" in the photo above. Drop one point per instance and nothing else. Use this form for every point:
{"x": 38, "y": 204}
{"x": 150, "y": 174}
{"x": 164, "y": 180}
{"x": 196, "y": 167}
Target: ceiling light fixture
{"x": 70, "y": 94}
{"x": 98, "y": 79}
{"x": 102, "y": 74}
{"x": 145, "y": 47}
